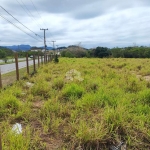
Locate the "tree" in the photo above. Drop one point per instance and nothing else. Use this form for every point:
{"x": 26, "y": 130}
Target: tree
{"x": 2, "y": 54}
{"x": 117, "y": 52}
{"x": 101, "y": 52}
{"x": 5, "y": 59}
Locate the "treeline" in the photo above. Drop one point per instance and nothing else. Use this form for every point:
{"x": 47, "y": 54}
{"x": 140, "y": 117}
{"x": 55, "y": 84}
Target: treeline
{"x": 23, "y": 54}
{"x": 131, "y": 52}
{"x": 78, "y": 52}
{"x": 101, "y": 52}
{"x": 4, "y": 52}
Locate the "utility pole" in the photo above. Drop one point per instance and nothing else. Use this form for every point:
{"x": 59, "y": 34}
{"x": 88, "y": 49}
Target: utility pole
{"x": 57, "y": 48}
{"x": 54, "y": 46}
{"x": 44, "y": 41}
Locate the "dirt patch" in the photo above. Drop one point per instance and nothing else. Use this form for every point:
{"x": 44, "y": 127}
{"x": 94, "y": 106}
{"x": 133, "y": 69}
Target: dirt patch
{"x": 37, "y": 104}
{"x": 8, "y": 80}
{"x": 36, "y": 125}
{"x": 138, "y": 76}
{"x": 147, "y": 78}
{"x": 51, "y": 144}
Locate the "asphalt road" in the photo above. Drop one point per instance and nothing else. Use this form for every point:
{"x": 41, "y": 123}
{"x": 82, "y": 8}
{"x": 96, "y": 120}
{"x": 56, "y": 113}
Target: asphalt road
{"x": 12, "y": 67}
{"x": 13, "y": 60}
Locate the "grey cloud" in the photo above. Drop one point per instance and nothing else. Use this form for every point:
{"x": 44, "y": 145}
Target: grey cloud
{"x": 86, "y": 9}
{"x": 75, "y": 9}
{"x": 94, "y": 23}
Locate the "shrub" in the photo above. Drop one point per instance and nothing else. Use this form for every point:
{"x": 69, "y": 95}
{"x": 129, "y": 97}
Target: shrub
{"x": 56, "y": 60}
{"x": 10, "y": 104}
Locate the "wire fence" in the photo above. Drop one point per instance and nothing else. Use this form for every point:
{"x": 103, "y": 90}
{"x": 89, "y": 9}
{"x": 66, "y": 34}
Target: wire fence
{"x": 10, "y": 73}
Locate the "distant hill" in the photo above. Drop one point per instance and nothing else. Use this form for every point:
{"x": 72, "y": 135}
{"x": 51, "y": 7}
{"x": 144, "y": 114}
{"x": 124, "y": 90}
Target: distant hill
{"x": 23, "y": 47}
{"x": 48, "y": 48}
{"x": 19, "y": 47}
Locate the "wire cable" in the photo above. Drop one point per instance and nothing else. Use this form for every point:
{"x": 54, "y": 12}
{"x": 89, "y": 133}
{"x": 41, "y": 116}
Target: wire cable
{"x": 40, "y": 15}
{"x": 28, "y": 12}
{"x": 18, "y": 27}
{"x": 20, "y": 22}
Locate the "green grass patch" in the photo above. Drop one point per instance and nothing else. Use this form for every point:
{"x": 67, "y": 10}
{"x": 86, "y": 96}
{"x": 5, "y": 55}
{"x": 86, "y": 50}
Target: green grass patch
{"x": 60, "y": 111}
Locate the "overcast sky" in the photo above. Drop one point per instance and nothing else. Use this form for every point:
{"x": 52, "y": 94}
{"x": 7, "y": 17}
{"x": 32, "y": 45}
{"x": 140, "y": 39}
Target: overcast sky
{"x": 90, "y": 23}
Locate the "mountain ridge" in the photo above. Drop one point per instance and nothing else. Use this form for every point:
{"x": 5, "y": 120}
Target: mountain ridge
{"x": 24, "y": 47}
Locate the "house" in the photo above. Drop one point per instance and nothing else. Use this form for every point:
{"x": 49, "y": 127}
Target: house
{"x": 35, "y": 50}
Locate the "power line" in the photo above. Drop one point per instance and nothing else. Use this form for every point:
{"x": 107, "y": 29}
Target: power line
{"x": 20, "y": 22}
{"x": 24, "y": 9}
{"x": 30, "y": 12}
{"x": 18, "y": 27}
{"x": 27, "y": 11}
{"x": 40, "y": 15}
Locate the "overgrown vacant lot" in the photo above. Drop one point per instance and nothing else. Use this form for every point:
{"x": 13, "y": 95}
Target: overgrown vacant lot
{"x": 79, "y": 104}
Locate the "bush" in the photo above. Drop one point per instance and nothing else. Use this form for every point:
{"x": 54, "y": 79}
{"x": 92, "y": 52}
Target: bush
{"x": 56, "y": 60}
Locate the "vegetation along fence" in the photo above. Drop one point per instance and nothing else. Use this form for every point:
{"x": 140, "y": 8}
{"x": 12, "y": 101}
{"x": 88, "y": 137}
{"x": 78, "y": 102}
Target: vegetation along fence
{"x": 18, "y": 69}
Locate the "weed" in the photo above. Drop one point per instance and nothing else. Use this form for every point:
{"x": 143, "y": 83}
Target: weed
{"x": 58, "y": 84}
{"x": 72, "y": 90}
{"x": 41, "y": 88}
{"x": 110, "y": 105}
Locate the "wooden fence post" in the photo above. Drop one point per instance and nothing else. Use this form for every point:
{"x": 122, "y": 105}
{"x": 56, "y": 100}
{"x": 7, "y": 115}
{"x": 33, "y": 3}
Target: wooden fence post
{"x": 46, "y": 59}
{"x": 27, "y": 62}
{"x": 17, "y": 67}
{"x": 50, "y": 57}
{"x": 0, "y": 79}
{"x": 34, "y": 63}
{"x": 0, "y": 143}
{"x": 38, "y": 61}
{"x": 41, "y": 59}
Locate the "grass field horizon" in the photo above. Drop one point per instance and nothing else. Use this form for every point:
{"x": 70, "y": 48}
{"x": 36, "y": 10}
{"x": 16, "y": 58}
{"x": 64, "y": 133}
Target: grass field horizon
{"x": 79, "y": 103}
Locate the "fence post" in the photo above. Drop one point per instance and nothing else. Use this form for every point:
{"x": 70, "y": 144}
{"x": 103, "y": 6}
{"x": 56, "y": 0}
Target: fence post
{"x": 46, "y": 58}
{"x": 50, "y": 57}
{"x": 17, "y": 67}
{"x": 38, "y": 61}
{"x": 0, "y": 143}
{"x": 41, "y": 59}
{"x": 27, "y": 62}
{"x": 0, "y": 79}
{"x": 34, "y": 63}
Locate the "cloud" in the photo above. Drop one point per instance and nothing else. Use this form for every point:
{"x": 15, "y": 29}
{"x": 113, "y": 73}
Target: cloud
{"x": 94, "y": 23}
